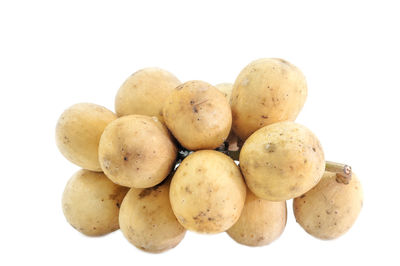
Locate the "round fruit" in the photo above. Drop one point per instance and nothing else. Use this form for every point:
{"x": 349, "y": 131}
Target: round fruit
{"x": 207, "y": 192}
{"x": 91, "y": 203}
{"x": 329, "y": 209}
{"x": 265, "y": 92}
{"x": 144, "y": 92}
{"x": 282, "y": 161}
{"x": 198, "y": 115}
{"x": 78, "y": 133}
{"x": 147, "y": 220}
{"x": 260, "y": 223}
{"x": 136, "y": 151}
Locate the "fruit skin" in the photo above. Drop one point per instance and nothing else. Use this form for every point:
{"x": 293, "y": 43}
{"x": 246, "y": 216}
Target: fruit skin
{"x": 226, "y": 89}
{"x": 282, "y": 161}
{"x": 78, "y": 133}
{"x": 267, "y": 91}
{"x": 207, "y": 192}
{"x": 147, "y": 220}
{"x": 198, "y": 115}
{"x": 145, "y": 92}
{"x": 260, "y": 223}
{"x": 137, "y": 151}
{"x": 329, "y": 209}
{"x": 91, "y": 202}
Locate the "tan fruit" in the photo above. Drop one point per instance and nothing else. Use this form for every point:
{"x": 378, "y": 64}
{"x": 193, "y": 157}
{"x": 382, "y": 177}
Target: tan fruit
{"x": 282, "y": 161}
{"x": 266, "y": 91}
{"x": 207, "y": 192}
{"x": 198, "y": 115}
{"x": 145, "y": 92}
{"x": 260, "y": 223}
{"x": 78, "y": 133}
{"x": 147, "y": 220}
{"x": 329, "y": 209}
{"x": 137, "y": 151}
{"x": 91, "y": 203}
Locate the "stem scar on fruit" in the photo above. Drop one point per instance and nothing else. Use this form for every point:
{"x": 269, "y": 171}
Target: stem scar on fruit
{"x": 343, "y": 171}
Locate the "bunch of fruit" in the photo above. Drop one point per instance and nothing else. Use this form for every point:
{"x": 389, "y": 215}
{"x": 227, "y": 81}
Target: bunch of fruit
{"x": 203, "y": 158}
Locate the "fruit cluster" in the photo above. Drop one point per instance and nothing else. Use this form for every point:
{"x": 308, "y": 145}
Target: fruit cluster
{"x": 203, "y": 158}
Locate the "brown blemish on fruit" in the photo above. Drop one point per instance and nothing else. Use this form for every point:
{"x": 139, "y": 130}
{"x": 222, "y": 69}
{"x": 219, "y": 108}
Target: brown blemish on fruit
{"x": 187, "y": 189}
{"x": 145, "y": 192}
{"x": 270, "y": 147}
{"x": 264, "y": 116}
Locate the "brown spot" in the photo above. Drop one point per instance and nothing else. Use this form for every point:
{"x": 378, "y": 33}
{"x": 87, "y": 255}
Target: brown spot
{"x": 118, "y": 205}
{"x": 145, "y": 192}
{"x": 314, "y": 149}
{"x": 302, "y": 196}
{"x": 261, "y": 238}
{"x": 125, "y": 158}
{"x": 328, "y": 212}
{"x": 270, "y": 147}
{"x": 264, "y": 116}
{"x": 191, "y": 102}
{"x": 188, "y": 190}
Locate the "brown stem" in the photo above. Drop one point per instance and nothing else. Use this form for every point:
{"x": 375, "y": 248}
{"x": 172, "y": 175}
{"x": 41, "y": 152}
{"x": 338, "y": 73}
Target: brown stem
{"x": 343, "y": 171}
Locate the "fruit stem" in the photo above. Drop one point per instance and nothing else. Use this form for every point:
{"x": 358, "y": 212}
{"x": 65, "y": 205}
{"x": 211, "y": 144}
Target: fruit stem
{"x": 343, "y": 171}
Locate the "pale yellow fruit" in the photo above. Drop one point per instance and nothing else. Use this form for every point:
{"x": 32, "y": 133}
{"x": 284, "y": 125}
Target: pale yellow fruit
{"x": 260, "y": 223}
{"x": 282, "y": 161}
{"x": 147, "y": 220}
{"x": 78, "y": 133}
{"x": 226, "y": 89}
{"x": 266, "y": 91}
{"x": 137, "y": 151}
{"x": 145, "y": 92}
{"x": 329, "y": 209}
{"x": 207, "y": 192}
{"x": 91, "y": 203}
{"x": 198, "y": 115}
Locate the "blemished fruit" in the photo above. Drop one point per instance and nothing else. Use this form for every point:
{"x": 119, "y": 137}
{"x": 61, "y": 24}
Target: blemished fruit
{"x": 260, "y": 223}
{"x": 91, "y": 203}
{"x": 198, "y": 115}
{"x": 145, "y": 92}
{"x": 147, "y": 220}
{"x": 282, "y": 161}
{"x": 329, "y": 209}
{"x": 78, "y": 133}
{"x": 266, "y": 91}
{"x": 207, "y": 192}
{"x": 137, "y": 151}
{"x": 203, "y": 158}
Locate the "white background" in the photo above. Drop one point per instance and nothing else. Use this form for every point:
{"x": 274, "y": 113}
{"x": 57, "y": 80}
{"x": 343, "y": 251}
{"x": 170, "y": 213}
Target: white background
{"x": 57, "y": 53}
